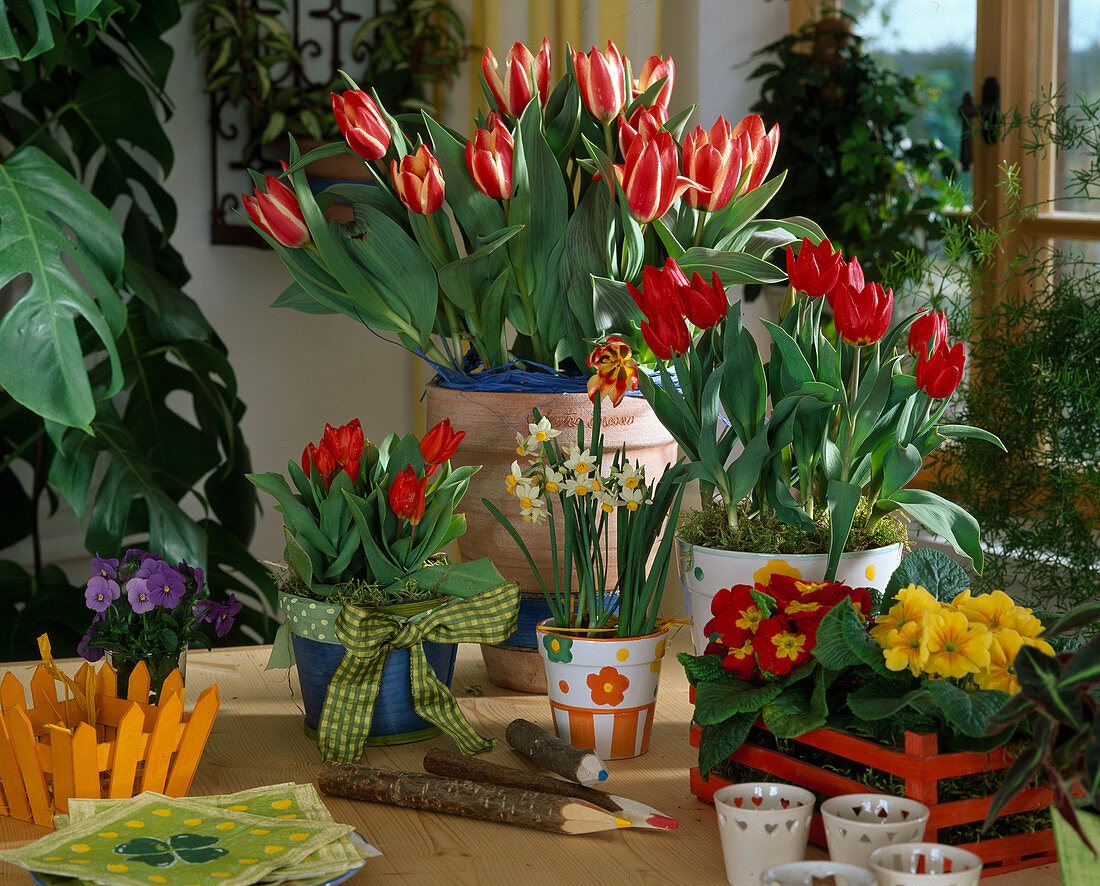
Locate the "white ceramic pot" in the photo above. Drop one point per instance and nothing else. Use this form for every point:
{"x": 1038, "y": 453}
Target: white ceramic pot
{"x": 761, "y": 825}
{"x": 858, "y": 824}
{"x": 925, "y": 864}
{"x": 809, "y": 873}
{"x": 705, "y": 571}
{"x": 602, "y": 692}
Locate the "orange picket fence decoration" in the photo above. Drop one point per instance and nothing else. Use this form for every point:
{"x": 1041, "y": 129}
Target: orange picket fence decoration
{"x": 92, "y": 743}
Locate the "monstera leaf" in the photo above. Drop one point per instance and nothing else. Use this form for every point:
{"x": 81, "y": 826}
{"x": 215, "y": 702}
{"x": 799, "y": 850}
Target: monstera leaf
{"x": 68, "y": 249}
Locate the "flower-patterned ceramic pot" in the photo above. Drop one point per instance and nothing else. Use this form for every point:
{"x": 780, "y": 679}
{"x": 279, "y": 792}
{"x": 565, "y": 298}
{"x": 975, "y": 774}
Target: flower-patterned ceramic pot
{"x": 602, "y": 692}
{"x": 705, "y": 571}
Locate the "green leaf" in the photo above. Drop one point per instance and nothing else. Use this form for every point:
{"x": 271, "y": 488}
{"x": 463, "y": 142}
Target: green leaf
{"x": 297, "y": 558}
{"x": 1079, "y": 617}
{"x": 1040, "y": 679}
{"x": 732, "y": 267}
{"x": 702, "y": 668}
{"x": 791, "y": 713}
{"x": 41, "y": 360}
{"x": 843, "y": 641}
{"x": 466, "y": 579}
{"x": 968, "y": 712}
{"x": 1019, "y": 775}
{"x": 945, "y": 518}
{"x": 44, "y": 40}
{"x": 715, "y": 702}
{"x": 882, "y": 699}
{"x": 929, "y": 569}
{"x": 718, "y": 740}
{"x": 843, "y": 499}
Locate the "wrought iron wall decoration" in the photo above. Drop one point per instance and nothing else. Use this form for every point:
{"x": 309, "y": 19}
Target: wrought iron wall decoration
{"x": 269, "y": 69}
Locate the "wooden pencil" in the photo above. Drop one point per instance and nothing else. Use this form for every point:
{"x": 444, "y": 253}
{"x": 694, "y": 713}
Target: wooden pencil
{"x": 550, "y": 752}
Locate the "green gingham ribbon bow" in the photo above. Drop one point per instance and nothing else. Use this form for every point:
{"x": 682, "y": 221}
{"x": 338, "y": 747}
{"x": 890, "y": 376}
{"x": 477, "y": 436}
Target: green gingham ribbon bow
{"x": 369, "y": 635}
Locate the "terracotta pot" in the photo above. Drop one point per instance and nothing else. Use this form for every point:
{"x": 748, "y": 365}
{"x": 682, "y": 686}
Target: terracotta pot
{"x": 704, "y": 571}
{"x": 491, "y": 421}
{"x": 603, "y": 690}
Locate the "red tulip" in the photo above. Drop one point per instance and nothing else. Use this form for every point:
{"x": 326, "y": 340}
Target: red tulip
{"x": 716, "y": 160}
{"x": 940, "y": 374}
{"x": 644, "y": 123}
{"x": 489, "y": 159}
{"x": 616, "y": 371}
{"x": 439, "y": 444}
{"x": 361, "y": 123}
{"x": 346, "y": 444}
{"x": 321, "y": 458}
{"x": 815, "y": 270}
{"x": 277, "y": 212}
{"x": 664, "y": 329}
{"x": 524, "y": 75}
{"x": 927, "y": 329}
{"x": 850, "y": 275}
{"x": 650, "y": 177}
{"x": 653, "y": 69}
{"x": 862, "y": 316}
{"x": 762, "y": 148}
{"x": 703, "y": 306}
{"x": 602, "y": 81}
{"x": 419, "y": 181}
{"x": 407, "y": 496}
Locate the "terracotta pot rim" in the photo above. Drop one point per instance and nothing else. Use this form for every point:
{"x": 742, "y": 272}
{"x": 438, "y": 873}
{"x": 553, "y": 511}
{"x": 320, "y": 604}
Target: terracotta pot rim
{"x": 545, "y": 627}
{"x": 737, "y": 555}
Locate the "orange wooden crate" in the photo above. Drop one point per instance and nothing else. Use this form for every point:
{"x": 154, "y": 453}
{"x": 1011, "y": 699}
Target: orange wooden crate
{"x": 922, "y": 767}
{"x": 51, "y": 751}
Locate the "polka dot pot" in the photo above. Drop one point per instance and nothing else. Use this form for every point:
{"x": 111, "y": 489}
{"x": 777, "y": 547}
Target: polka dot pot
{"x": 705, "y": 571}
{"x": 602, "y": 692}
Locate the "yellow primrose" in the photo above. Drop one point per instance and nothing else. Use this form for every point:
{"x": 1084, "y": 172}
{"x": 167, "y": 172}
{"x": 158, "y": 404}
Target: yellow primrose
{"x": 955, "y": 646}
{"x": 1001, "y": 673}
{"x": 992, "y": 610}
{"x": 914, "y": 602}
{"x": 906, "y": 647}
{"x": 1041, "y": 645}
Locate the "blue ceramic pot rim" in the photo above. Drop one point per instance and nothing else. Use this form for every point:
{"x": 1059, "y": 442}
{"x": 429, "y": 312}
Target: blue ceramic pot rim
{"x": 316, "y": 620}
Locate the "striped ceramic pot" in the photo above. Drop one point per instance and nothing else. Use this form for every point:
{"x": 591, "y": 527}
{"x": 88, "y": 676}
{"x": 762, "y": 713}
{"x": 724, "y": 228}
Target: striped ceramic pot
{"x": 602, "y": 692}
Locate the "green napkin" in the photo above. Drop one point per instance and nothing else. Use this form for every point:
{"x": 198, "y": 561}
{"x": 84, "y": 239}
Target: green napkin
{"x": 284, "y": 802}
{"x": 153, "y": 840}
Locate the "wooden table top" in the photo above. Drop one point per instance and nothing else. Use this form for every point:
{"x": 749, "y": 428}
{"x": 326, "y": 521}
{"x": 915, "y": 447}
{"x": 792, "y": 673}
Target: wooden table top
{"x": 258, "y": 739}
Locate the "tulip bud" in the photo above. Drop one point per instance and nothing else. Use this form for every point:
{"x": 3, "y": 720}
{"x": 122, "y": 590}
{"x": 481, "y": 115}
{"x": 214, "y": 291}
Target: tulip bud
{"x": 703, "y": 305}
{"x": 716, "y": 160}
{"x": 644, "y": 123}
{"x": 650, "y": 177}
{"x": 862, "y": 317}
{"x": 524, "y": 76}
{"x": 850, "y": 275}
{"x": 664, "y": 329}
{"x": 361, "y": 123}
{"x": 322, "y": 459}
{"x": 927, "y": 329}
{"x": 419, "y": 181}
{"x": 346, "y": 445}
{"x": 616, "y": 371}
{"x": 406, "y": 496}
{"x": 816, "y": 269}
{"x": 939, "y": 375}
{"x": 439, "y": 444}
{"x": 277, "y": 213}
{"x": 602, "y": 81}
{"x": 653, "y": 69}
{"x": 489, "y": 160}
{"x": 762, "y": 148}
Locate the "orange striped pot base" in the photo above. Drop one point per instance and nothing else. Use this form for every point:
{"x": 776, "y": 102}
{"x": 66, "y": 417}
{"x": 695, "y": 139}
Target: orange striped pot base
{"x": 603, "y": 692}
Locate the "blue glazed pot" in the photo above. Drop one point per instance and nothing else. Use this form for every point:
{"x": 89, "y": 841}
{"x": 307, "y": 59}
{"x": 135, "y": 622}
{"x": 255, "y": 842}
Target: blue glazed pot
{"x": 394, "y": 721}
{"x": 533, "y": 609}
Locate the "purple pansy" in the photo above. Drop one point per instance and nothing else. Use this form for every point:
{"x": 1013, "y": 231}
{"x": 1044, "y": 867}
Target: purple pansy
{"x": 165, "y": 586}
{"x": 101, "y": 592}
{"x": 223, "y": 618}
{"x": 137, "y": 592}
{"x": 86, "y": 650}
{"x": 105, "y": 567}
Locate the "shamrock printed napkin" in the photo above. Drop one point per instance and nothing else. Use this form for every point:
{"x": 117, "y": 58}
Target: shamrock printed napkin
{"x": 284, "y": 802}
{"x": 152, "y": 840}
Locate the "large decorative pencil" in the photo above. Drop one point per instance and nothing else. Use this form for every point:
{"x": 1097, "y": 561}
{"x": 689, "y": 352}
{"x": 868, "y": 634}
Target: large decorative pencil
{"x": 453, "y": 796}
{"x": 550, "y": 752}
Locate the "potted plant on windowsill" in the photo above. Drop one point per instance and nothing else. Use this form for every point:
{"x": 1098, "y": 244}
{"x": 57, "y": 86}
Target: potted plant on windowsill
{"x": 815, "y": 447}
{"x": 502, "y": 256}
{"x": 603, "y": 645}
{"x": 1060, "y": 696}
{"x": 372, "y": 609}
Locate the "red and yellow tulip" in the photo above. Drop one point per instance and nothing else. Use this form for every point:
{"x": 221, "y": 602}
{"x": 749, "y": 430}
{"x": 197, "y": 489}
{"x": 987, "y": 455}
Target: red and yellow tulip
{"x": 525, "y": 76}
{"x": 418, "y": 181}
{"x": 361, "y": 123}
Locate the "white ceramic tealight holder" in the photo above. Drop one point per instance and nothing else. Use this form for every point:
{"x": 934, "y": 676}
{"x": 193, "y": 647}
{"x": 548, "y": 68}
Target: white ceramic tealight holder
{"x": 761, "y": 825}
{"x": 807, "y": 873}
{"x": 858, "y": 824}
{"x": 925, "y": 864}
